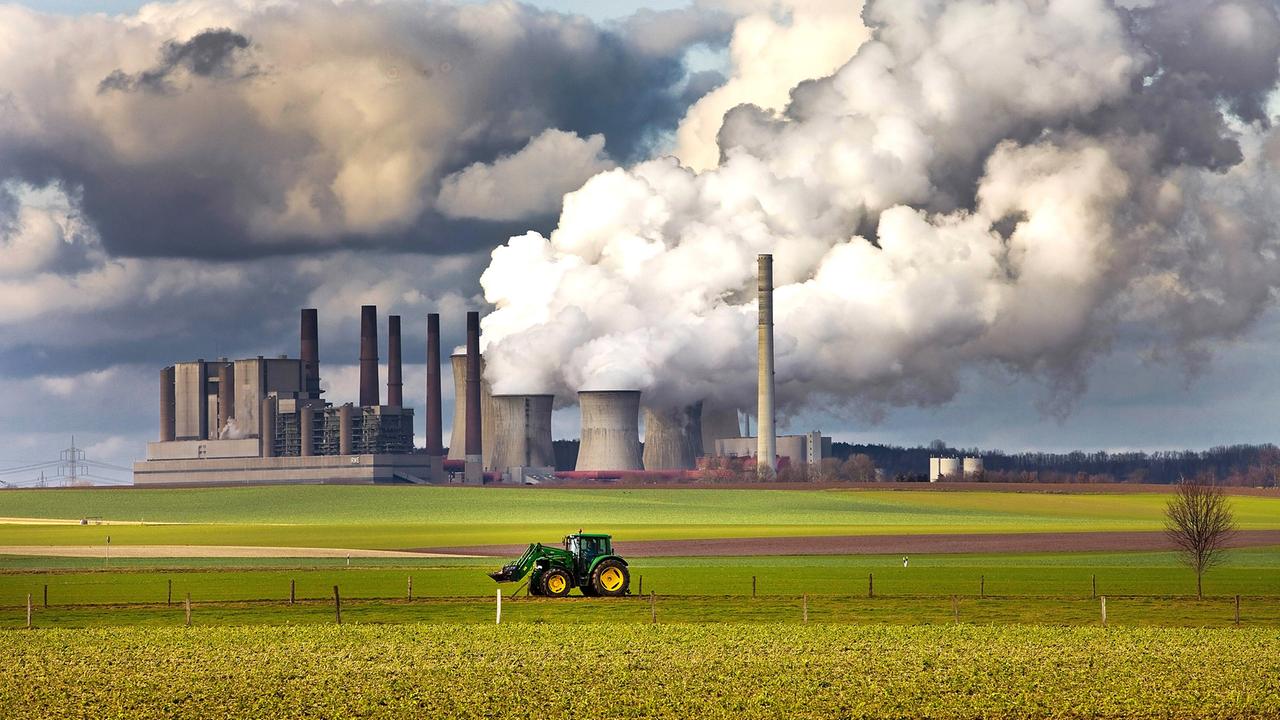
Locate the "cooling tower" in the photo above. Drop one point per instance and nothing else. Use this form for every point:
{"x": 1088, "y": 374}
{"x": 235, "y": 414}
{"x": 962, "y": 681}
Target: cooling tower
{"x": 168, "y": 403}
{"x": 458, "y": 438}
{"x": 395, "y": 382}
{"x": 672, "y": 437}
{"x": 369, "y": 356}
{"x": 717, "y": 424}
{"x": 474, "y": 462}
{"x": 610, "y": 430}
{"x": 433, "y": 419}
{"x": 767, "y": 441}
{"x": 522, "y": 431}
{"x": 309, "y": 353}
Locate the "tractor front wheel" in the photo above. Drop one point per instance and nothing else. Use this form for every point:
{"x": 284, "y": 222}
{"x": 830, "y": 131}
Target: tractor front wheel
{"x": 610, "y": 578}
{"x": 556, "y": 583}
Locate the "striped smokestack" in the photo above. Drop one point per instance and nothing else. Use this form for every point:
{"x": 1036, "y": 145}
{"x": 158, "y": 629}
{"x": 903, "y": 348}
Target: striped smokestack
{"x": 435, "y": 449}
{"x": 309, "y": 352}
{"x": 395, "y": 383}
{"x": 473, "y": 468}
{"x": 369, "y": 356}
{"x": 766, "y": 441}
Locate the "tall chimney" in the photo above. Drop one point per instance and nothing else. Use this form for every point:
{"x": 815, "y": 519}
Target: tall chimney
{"x": 473, "y": 472}
{"x": 766, "y": 440}
{"x": 309, "y": 352}
{"x": 369, "y": 356}
{"x": 168, "y": 402}
{"x": 395, "y": 385}
{"x": 434, "y": 420}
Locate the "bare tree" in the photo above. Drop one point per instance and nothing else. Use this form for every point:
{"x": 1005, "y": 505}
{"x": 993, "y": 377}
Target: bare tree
{"x": 1199, "y": 521}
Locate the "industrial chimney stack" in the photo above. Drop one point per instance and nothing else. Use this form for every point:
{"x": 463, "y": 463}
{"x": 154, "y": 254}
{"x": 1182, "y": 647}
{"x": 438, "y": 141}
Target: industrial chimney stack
{"x": 309, "y": 352}
{"x": 766, "y": 441}
{"x": 433, "y": 420}
{"x": 473, "y": 469}
{"x": 369, "y": 356}
{"x": 395, "y": 383}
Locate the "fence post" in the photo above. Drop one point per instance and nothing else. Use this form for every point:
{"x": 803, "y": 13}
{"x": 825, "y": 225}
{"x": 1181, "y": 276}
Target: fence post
{"x": 753, "y": 586}
{"x": 641, "y": 590}
{"x": 1237, "y": 610}
{"x": 498, "y": 619}
{"x": 46, "y": 597}
{"x": 806, "y": 607}
{"x": 292, "y": 589}
{"x": 410, "y": 587}
{"x": 28, "y": 611}
{"x": 337, "y": 605}
{"x": 169, "y": 599}
{"x": 1104, "y": 611}
{"x": 653, "y": 607}
{"x": 871, "y": 585}
{"x": 188, "y": 609}
{"x": 1095, "y": 585}
{"x": 982, "y": 586}
{"x": 955, "y": 608}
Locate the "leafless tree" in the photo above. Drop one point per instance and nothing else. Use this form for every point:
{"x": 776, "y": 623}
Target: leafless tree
{"x": 1199, "y": 521}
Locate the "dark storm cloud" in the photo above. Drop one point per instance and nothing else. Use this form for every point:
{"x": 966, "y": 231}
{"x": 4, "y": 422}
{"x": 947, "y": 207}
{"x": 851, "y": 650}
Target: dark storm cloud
{"x": 212, "y": 53}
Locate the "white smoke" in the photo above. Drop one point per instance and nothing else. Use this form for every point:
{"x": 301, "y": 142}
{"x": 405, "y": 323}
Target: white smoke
{"x": 1010, "y": 183}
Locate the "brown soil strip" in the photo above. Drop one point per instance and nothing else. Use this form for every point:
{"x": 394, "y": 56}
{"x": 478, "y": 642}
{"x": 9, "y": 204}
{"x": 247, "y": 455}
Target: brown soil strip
{"x": 209, "y": 551}
{"x": 895, "y": 544}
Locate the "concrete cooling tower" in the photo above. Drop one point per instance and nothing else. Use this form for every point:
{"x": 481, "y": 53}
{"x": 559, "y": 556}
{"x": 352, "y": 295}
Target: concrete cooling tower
{"x": 458, "y": 437}
{"x": 672, "y": 437}
{"x": 522, "y": 430}
{"x": 610, "y": 430}
{"x": 717, "y": 424}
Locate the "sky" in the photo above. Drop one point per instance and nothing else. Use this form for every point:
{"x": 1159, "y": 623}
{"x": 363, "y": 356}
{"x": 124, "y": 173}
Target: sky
{"x": 1018, "y": 225}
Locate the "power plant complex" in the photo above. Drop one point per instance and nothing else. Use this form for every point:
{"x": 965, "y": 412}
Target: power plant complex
{"x": 263, "y": 420}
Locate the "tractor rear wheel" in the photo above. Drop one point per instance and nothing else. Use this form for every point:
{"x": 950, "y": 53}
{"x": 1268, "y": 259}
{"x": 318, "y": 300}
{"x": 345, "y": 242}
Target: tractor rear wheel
{"x": 610, "y": 578}
{"x": 556, "y": 583}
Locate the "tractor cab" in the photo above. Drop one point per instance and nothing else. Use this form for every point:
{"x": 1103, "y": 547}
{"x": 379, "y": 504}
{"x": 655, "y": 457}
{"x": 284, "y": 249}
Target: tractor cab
{"x": 586, "y": 547}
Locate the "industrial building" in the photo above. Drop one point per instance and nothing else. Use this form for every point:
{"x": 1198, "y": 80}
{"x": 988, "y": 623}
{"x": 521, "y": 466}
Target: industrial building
{"x": 263, "y": 420}
{"x": 942, "y": 468}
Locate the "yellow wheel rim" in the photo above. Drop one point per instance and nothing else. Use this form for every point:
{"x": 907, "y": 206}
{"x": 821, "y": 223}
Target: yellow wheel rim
{"x": 556, "y": 584}
{"x": 611, "y": 579}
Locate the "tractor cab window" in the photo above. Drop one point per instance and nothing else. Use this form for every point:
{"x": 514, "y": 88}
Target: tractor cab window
{"x": 571, "y": 544}
{"x": 592, "y": 546}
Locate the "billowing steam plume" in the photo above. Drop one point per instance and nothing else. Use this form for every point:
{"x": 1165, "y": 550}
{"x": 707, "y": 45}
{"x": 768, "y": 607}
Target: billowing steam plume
{"x": 1008, "y": 183}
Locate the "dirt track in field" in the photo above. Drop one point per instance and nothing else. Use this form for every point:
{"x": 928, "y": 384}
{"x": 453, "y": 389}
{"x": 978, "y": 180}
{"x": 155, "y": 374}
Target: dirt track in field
{"x": 894, "y": 544}
{"x": 207, "y": 551}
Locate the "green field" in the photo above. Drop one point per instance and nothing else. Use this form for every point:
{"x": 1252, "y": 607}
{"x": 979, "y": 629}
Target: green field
{"x": 413, "y": 517}
{"x": 635, "y": 670}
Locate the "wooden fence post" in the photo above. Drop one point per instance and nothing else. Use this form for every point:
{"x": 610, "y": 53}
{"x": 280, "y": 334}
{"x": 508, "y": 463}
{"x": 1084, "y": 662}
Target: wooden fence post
{"x": 410, "y": 587}
{"x": 753, "y": 586}
{"x": 1104, "y": 611}
{"x": 498, "y": 619}
{"x": 653, "y": 607}
{"x": 1095, "y": 585}
{"x": 292, "y": 590}
{"x": 806, "y": 607}
{"x": 641, "y": 590}
{"x": 871, "y": 585}
{"x": 337, "y": 605}
{"x": 955, "y": 609}
{"x": 982, "y": 586}
{"x": 1237, "y": 610}
{"x": 28, "y": 611}
{"x": 169, "y": 599}
{"x": 46, "y": 596}
{"x": 188, "y": 609}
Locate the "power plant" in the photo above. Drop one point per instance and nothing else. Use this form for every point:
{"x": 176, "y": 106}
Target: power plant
{"x": 263, "y": 420}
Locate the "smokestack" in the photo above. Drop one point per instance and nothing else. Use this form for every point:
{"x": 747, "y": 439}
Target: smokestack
{"x": 672, "y": 437}
{"x": 369, "y": 356}
{"x": 473, "y": 469}
{"x": 168, "y": 403}
{"x": 434, "y": 430}
{"x": 267, "y": 433}
{"x": 395, "y": 385}
{"x": 522, "y": 429}
{"x": 309, "y": 352}
{"x": 458, "y": 440}
{"x": 226, "y": 395}
{"x": 767, "y": 441}
{"x": 610, "y": 430}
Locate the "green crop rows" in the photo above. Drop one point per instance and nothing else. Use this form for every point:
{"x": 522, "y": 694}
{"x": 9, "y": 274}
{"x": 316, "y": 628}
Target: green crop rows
{"x": 632, "y": 671}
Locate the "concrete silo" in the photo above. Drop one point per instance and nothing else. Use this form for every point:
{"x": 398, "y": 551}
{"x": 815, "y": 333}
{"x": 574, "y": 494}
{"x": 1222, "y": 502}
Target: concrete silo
{"x": 610, "y": 430}
{"x": 972, "y": 466}
{"x": 948, "y": 467}
{"x": 522, "y": 431}
{"x": 672, "y": 437}
{"x": 458, "y": 437}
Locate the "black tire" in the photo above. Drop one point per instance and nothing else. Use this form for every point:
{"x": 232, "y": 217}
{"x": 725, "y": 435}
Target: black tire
{"x": 556, "y": 583}
{"x": 605, "y": 580}
{"x": 587, "y": 590}
{"x": 535, "y": 585}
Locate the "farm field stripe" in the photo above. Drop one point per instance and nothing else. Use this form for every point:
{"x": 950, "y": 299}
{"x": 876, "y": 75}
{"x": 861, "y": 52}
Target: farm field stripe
{"x": 212, "y": 551}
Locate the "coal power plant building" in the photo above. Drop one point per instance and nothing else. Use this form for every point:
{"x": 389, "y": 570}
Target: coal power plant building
{"x": 262, "y": 420}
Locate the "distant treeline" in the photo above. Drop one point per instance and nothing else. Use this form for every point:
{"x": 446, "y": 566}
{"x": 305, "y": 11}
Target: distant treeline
{"x": 1250, "y": 465}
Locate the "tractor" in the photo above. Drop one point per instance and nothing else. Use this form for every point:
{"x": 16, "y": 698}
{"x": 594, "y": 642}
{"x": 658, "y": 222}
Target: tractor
{"x": 587, "y": 562}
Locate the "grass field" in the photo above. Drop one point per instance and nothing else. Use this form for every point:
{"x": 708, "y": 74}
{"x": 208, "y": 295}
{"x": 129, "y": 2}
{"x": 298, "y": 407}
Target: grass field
{"x": 629, "y": 671}
{"x": 413, "y": 517}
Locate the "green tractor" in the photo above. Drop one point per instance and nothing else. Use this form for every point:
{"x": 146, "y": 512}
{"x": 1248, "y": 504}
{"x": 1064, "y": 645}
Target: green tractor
{"x": 587, "y": 562}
